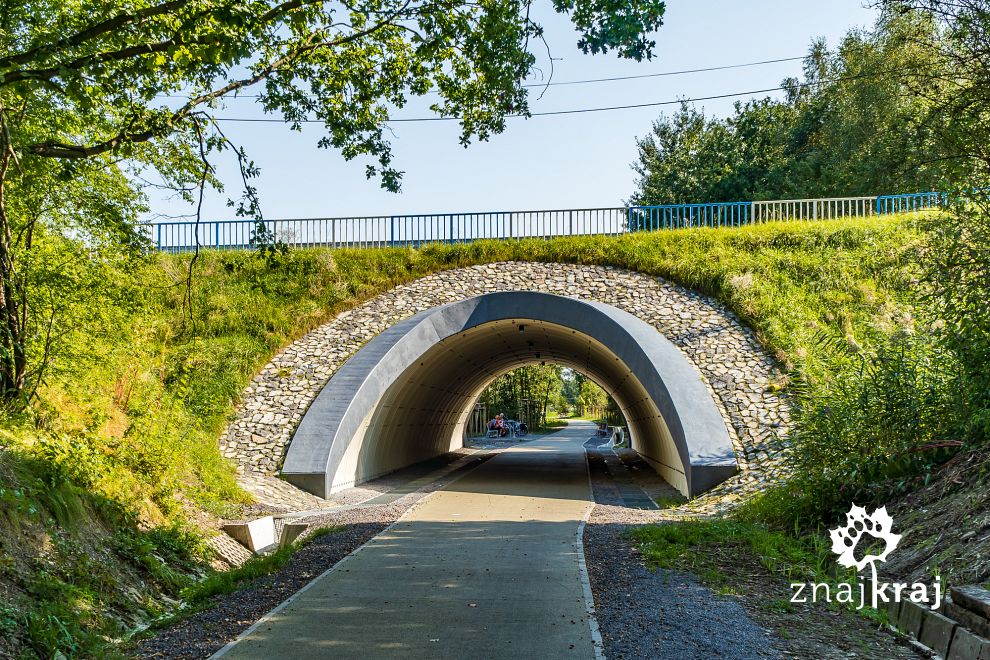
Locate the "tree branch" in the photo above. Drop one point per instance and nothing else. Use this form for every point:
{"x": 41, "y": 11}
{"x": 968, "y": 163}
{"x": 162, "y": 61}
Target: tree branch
{"x": 65, "y": 150}
{"x": 79, "y": 38}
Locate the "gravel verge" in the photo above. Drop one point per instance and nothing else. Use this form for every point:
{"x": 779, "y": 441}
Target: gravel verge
{"x": 648, "y": 614}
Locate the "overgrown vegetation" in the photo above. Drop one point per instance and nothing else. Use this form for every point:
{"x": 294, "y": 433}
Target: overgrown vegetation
{"x": 902, "y": 107}
{"x": 893, "y": 410}
{"x": 136, "y": 425}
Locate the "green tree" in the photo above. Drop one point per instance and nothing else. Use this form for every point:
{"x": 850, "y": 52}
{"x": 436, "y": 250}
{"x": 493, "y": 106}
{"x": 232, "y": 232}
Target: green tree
{"x": 862, "y": 120}
{"x": 88, "y": 100}
{"x": 683, "y": 159}
{"x": 526, "y": 393}
{"x": 591, "y": 395}
{"x": 957, "y": 88}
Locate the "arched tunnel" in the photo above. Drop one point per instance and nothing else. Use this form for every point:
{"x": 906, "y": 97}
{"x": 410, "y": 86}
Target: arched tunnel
{"x": 406, "y": 395}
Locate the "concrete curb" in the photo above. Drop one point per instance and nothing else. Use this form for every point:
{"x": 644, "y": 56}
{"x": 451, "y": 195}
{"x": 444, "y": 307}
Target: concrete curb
{"x": 589, "y": 596}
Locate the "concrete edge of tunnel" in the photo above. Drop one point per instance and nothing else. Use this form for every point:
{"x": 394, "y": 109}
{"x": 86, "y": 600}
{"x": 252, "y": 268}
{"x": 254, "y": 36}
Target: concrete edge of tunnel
{"x": 589, "y": 597}
{"x": 291, "y": 599}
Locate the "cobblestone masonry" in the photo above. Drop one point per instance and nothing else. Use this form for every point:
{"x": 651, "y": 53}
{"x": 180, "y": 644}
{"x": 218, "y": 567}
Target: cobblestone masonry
{"x": 738, "y": 372}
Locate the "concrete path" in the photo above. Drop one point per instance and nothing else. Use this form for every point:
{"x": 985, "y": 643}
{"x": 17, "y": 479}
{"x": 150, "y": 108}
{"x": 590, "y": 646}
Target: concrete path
{"x": 486, "y": 568}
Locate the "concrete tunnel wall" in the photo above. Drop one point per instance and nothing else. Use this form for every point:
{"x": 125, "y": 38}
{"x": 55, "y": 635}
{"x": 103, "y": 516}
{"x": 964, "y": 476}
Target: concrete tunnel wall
{"x": 406, "y": 395}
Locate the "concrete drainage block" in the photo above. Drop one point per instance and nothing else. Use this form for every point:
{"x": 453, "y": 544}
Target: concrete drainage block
{"x": 290, "y": 532}
{"x": 258, "y": 536}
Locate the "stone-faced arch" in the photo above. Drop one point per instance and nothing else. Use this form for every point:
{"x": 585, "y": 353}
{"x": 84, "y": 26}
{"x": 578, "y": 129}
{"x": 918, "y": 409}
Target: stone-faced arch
{"x": 404, "y": 396}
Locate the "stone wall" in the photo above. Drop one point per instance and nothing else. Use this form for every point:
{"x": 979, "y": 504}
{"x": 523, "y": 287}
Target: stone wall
{"x": 735, "y": 368}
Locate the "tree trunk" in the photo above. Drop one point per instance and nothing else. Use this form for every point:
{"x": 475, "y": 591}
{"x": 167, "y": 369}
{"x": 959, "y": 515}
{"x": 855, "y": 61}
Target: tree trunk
{"x": 13, "y": 360}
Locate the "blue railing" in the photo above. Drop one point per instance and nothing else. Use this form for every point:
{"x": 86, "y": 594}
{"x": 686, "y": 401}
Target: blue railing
{"x": 421, "y": 229}
{"x": 910, "y": 202}
{"x": 679, "y": 216}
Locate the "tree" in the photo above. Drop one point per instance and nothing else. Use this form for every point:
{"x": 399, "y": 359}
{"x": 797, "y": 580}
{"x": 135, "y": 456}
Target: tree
{"x": 525, "y": 393}
{"x": 683, "y": 159}
{"x": 592, "y": 396}
{"x": 958, "y": 88}
{"x": 863, "y": 120}
{"x": 87, "y": 100}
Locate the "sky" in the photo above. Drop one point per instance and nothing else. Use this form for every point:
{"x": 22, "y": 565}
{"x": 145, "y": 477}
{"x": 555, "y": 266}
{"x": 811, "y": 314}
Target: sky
{"x": 554, "y": 162}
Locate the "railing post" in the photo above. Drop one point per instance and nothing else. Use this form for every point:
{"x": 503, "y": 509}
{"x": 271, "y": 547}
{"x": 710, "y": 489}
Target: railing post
{"x": 391, "y": 231}
{"x": 510, "y": 223}
{"x": 570, "y": 217}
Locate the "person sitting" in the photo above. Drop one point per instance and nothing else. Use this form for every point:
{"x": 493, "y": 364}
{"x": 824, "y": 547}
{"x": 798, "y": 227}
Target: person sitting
{"x": 503, "y": 428}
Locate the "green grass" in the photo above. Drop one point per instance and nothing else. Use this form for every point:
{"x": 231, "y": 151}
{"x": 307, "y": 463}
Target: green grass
{"x": 711, "y": 550}
{"x": 665, "y": 502}
{"x": 133, "y": 417}
{"x": 684, "y": 544}
{"x": 224, "y": 582}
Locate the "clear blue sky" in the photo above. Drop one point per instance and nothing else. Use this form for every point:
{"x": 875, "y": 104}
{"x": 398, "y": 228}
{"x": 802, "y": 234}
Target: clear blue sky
{"x": 544, "y": 162}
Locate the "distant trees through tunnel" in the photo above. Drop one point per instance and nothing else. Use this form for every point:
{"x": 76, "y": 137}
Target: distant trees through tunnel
{"x": 539, "y": 395}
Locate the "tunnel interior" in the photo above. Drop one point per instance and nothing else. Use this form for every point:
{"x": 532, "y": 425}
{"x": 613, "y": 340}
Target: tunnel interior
{"x": 406, "y": 396}
{"x": 424, "y": 412}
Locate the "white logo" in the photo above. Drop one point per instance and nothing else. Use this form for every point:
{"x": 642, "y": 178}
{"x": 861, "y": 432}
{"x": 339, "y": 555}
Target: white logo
{"x": 874, "y": 530}
{"x": 846, "y": 539}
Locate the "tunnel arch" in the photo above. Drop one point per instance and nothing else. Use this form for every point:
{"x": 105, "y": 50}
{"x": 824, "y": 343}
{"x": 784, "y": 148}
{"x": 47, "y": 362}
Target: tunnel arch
{"x": 404, "y": 397}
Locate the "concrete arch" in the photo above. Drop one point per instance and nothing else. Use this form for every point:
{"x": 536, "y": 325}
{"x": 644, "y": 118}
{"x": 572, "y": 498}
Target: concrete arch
{"x": 405, "y": 396}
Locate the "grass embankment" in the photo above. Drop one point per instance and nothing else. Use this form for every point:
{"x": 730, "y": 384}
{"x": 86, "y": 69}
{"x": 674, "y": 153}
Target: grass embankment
{"x": 119, "y": 451}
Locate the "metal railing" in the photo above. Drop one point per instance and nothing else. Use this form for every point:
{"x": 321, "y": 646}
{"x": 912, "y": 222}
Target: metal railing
{"x": 421, "y": 229}
{"x": 910, "y": 202}
{"x": 678, "y": 216}
{"x": 393, "y": 230}
{"x": 813, "y": 209}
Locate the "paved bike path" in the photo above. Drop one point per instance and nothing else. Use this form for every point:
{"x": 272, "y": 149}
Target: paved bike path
{"x": 488, "y": 567}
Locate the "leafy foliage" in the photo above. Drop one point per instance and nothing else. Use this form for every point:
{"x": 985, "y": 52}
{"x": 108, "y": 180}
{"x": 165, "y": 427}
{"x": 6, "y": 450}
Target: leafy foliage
{"x": 860, "y": 122}
{"x": 526, "y": 394}
{"x": 98, "y": 102}
{"x": 958, "y": 272}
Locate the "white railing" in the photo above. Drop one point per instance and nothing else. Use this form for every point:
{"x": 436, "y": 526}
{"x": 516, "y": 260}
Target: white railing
{"x": 814, "y": 209}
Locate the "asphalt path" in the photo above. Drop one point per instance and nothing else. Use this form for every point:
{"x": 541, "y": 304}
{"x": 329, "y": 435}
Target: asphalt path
{"x": 488, "y": 567}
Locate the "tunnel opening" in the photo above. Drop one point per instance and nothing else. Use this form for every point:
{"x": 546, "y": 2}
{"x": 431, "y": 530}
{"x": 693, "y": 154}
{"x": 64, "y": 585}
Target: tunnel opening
{"x": 407, "y": 396}
{"x": 540, "y": 397}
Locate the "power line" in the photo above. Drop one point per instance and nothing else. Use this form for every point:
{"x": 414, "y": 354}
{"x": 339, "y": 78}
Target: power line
{"x": 583, "y": 110}
{"x": 665, "y": 73}
{"x": 660, "y": 74}
{"x": 533, "y": 114}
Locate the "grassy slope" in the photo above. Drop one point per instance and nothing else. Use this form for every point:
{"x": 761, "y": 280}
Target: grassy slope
{"x": 136, "y": 429}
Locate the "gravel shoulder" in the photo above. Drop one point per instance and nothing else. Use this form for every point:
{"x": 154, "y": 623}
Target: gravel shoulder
{"x": 743, "y": 613}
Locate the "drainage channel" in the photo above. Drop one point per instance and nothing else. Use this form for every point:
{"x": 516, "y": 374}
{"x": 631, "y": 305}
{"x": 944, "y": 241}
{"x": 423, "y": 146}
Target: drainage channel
{"x": 619, "y": 489}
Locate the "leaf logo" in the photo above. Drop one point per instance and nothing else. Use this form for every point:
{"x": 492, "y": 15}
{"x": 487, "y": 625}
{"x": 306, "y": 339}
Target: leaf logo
{"x": 858, "y": 522}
